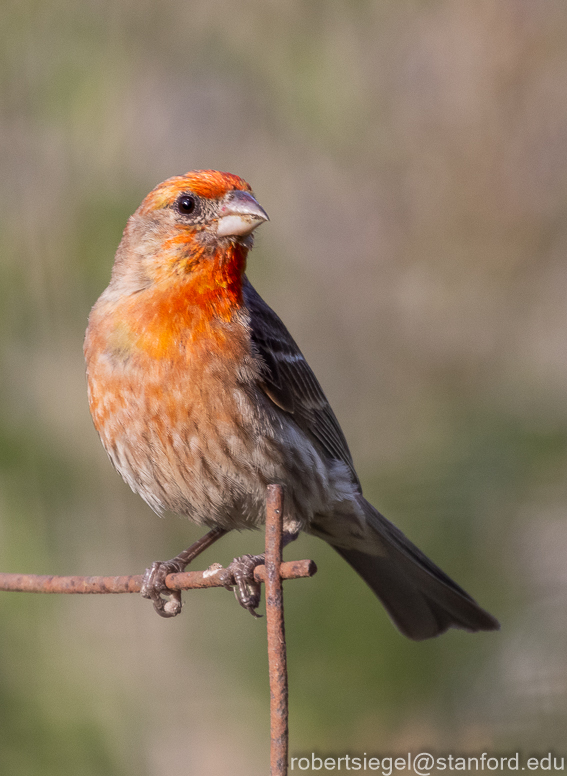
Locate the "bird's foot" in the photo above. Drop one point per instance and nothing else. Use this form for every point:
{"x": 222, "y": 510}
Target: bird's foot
{"x": 154, "y": 587}
{"x": 153, "y": 584}
{"x": 239, "y": 576}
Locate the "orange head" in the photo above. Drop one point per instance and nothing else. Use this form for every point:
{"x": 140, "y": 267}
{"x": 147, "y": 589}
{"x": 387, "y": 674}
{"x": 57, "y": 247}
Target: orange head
{"x": 193, "y": 227}
{"x": 179, "y": 269}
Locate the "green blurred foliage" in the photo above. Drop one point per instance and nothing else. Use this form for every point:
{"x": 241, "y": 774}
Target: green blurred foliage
{"x": 411, "y": 156}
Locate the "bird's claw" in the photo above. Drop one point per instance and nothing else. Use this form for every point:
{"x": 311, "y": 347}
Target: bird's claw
{"x": 154, "y": 588}
{"x": 239, "y": 577}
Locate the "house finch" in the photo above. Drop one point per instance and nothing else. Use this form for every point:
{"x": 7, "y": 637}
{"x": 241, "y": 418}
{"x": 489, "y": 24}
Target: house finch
{"x": 202, "y": 398}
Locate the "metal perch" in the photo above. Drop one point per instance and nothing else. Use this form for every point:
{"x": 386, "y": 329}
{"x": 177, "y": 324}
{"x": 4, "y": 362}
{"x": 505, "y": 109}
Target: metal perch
{"x": 271, "y": 574}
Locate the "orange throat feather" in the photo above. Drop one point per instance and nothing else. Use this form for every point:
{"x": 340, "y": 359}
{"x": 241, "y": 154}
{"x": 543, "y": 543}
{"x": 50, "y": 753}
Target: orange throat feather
{"x": 189, "y": 306}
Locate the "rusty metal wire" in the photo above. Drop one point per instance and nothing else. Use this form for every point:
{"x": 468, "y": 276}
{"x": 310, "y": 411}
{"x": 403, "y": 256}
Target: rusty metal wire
{"x": 277, "y": 658}
{"x": 271, "y": 574}
{"x": 188, "y": 580}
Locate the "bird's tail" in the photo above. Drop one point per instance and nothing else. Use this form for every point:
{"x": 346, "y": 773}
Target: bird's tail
{"x": 421, "y": 600}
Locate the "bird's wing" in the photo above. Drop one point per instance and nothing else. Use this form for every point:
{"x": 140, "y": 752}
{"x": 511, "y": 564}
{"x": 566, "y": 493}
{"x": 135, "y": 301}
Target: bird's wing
{"x": 289, "y": 381}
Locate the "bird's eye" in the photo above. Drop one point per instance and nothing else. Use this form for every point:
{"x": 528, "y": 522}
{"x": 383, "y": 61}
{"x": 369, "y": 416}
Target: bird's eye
{"x": 186, "y": 204}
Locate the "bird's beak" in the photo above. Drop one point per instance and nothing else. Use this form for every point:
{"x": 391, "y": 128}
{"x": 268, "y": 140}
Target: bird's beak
{"x": 239, "y": 215}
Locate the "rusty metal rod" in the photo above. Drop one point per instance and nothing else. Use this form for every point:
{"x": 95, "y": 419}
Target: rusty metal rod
{"x": 188, "y": 580}
{"x": 277, "y": 659}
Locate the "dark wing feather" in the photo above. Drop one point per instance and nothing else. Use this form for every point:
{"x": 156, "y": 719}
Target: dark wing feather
{"x": 289, "y": 381}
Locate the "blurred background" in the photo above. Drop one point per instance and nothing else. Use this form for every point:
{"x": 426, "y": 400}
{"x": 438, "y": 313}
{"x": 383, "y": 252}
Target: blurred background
{"x": 412, "y": 156}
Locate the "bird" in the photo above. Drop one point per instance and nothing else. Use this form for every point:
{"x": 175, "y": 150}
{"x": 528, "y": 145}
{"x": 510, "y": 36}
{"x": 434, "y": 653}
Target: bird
{"x": 202, "y": 398}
